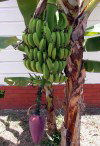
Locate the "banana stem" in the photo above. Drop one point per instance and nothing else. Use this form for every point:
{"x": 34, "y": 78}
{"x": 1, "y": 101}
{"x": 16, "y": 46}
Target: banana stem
{"x": 90, "y": 7}
{"x": 51, "y": 120}
{"x": 63, "y": 6}
{"x": 38, "y": 100}
{"x": 40, "y": 8}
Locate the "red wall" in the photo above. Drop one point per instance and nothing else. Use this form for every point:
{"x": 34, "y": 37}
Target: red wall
{"x": 24, "y": 97}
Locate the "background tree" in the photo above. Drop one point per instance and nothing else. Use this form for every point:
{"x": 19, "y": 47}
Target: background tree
{"x": 77, "y": 13}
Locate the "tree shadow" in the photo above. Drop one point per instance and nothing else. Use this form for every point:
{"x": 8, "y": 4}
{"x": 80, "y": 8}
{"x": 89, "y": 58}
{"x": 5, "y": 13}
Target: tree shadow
{"x": 4, "y": 142}
{"x": 24, "y": 138}
{"x": 91, "y": 111}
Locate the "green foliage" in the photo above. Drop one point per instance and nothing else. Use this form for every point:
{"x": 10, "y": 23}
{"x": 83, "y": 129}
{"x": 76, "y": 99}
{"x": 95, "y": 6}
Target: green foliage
{"x": 53, "y": 140}
{"x": 93, "y": 44}
{"x": 17, "y": 81}
{"x": 91, "y": 33}
{"x": 92, "y": 66}
{"x": 27, "y": 8}
{"x": 25, "y": 81}
{"x": 6, "y": 41}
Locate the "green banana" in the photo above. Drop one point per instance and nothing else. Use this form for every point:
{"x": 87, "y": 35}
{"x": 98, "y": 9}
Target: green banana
{"x": 47, "y": 33}
{"x": 40, "y": 56}
{"x": 42, "y": 45}
{"x": 46, "y": 44}
{"x": 46, "y": 73}
{"x": 62, "y": 78}
{"x": 50, "y": 15}
{"x": 58, "y": 39}
{"x": 62, "y": 38}
{"x": 30, "y": 54}
{"x": 50, "y": 64}
{"x": 51, "y": 78}
{"x": 60, "y": 66}
{"x": 54, "y": 53}
{"x": 53, "y": 36}
{"x": 65, "y": 22}
{"x": 30, "y": 40}
{"x": 55, "y": 22}
{"x": 27, "y": 64}
{"x": 70, "y": 29}
{"x": 66, "y": 38}
{"x": 57, "y": 78}
{"x": 50, "y": 49}
{"x": 32, "y": 25}
{"x": 38, "y": 67}
{"x": 62, "y": 23}
{"x": 35, "y": 54}
{"x": 25, "y": 38}
{"x": 66, "y": 52}
{"x": 44, "y": 56}
{"x": 27, "y": 51}
{"x": 33, "y": 66}
{"x": 61, "y": 53}
{"x": 64, "y": 63}
{"x": 55, "y": 67}
{"x": 21, "y": 47}
{"x": 36, "y": 39}
{"x": 39, "y": 27}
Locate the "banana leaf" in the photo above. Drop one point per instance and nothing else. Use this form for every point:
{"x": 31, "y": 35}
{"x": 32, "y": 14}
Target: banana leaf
{"x": 27, "y": 8}
{"x": 92, "y": 44}
{"x": 92, "y": 66}
{"x": 93, "y": 30}
{"x": 17, "y": 81}
{"x": 90, "y": 28}
{"x": 6, "y": 41}
{"x": 92, "y": 33}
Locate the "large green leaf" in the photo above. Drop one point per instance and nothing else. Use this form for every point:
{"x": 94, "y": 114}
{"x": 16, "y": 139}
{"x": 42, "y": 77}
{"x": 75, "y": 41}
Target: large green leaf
{"x": 93, "y": 44}
{"x": 27, "y": 8}
{"x": 92, "y": 66}
{"x": 6, "y": 41}
{"x": 92, "y": 33}
{"x": 17, "y": 81}
{"x": 93, "y": 30}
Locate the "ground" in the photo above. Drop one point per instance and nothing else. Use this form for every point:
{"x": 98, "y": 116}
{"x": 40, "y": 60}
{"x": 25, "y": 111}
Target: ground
{"x": 14, "y": 129}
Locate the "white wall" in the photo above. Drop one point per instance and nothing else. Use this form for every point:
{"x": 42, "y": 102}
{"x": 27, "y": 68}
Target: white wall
{"x": 95, "y": 16}
{"x": 11, "y": 23}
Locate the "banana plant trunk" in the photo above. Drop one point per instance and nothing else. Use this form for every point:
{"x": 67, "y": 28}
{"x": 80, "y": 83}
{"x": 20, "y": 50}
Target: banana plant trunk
{"x": 74, "y": 86}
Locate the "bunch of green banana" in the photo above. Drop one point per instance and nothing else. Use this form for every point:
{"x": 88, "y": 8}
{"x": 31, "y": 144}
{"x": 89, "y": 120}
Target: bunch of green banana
{"x": 46, "y": 44}
{"x": 58, "y": 78}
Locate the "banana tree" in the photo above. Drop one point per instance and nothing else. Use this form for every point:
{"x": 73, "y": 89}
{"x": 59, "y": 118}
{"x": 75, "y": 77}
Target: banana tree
{"x": 75, "y": 14}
